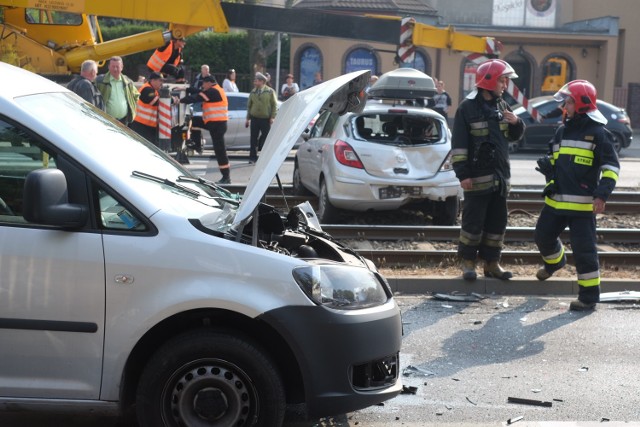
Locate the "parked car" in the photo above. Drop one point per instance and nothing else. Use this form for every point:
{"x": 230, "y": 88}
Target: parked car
{"x": 537, "y": 135}
{"x": 237, "y": 136}
{"x": 390, "y": 155}
{"x": 128, "y": 282}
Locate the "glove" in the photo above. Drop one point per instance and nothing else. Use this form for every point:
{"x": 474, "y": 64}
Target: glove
{"x": 545, "y": 167}
{"x": 550, "y": 189}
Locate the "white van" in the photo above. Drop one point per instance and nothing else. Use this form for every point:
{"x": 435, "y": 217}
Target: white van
{"x": 125, "y": 279}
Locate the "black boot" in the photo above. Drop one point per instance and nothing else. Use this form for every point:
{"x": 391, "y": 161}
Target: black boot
{"x": 493, "y": 269}
{"x": 577, "y": 305}
{"x": 468, "y": 269}
{"x": 226, "y": 177}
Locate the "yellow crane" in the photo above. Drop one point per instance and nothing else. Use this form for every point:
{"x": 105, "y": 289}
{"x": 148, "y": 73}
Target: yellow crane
{"x": 56, "y": 36}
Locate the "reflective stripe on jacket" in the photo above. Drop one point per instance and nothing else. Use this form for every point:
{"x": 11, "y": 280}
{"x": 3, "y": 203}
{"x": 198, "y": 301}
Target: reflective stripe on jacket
{"x": 217, "y": 111}
{"x": 159, "y": 58}
{"x": 480, "y": 144}
{"x": 147, "y": 114}
{"x": 585, "y": 166}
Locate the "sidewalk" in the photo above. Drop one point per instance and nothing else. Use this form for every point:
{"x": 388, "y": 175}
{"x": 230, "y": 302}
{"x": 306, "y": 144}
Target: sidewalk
{"x": 516, "y": 286}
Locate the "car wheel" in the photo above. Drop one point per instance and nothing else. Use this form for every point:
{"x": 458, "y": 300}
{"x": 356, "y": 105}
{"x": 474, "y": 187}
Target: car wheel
{"x": 617, "y": 141}
{"x": 210, "y": 377}
{"x": 446, "y": 212}
{"x": 298, "y": 188}
{"x": 327, "y": 213}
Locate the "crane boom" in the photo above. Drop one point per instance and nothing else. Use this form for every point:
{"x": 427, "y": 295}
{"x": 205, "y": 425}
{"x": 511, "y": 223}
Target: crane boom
{"x": 191, "y": 13}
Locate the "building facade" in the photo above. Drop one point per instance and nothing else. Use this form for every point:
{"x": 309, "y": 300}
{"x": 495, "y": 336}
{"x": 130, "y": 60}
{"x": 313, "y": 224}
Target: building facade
{"x": 548, "y": 42}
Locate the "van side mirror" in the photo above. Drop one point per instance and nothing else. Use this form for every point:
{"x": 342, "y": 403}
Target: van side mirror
{"x": 46, "y": 200}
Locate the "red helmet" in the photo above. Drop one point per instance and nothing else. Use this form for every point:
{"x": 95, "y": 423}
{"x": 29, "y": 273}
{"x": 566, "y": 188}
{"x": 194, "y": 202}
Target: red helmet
{"x": 583, "y": 93}
{"x": 489, "y": 72}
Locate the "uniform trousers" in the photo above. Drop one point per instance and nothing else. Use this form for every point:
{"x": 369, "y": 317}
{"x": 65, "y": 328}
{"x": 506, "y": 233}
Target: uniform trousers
{"x": 582, "y": 232}
{"x": 484, "y": 221}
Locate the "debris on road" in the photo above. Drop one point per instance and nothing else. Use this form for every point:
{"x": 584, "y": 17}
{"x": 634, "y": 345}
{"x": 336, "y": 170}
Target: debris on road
{"x": 620, "y": 296}
{"x": 417, "y": 372}
{"x": 472, "y": 402}
{"x": 472, "y": 297}
{"x": 529, "y": 401}
{"x": 514, "y": 419}
{"x": 409, "y": 389}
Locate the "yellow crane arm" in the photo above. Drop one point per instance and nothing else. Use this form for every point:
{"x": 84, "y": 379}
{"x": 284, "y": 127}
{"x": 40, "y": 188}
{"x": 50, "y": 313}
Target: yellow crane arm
{"x": 187, "y": 15}
{"x": 428, "y": 36}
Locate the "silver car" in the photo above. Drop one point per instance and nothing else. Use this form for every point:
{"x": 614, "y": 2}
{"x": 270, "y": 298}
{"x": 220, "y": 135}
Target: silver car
{"x": 390, "y": 155}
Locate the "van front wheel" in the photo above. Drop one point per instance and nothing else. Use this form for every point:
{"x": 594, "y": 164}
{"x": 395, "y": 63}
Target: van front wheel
{"x": 209, "y": 377}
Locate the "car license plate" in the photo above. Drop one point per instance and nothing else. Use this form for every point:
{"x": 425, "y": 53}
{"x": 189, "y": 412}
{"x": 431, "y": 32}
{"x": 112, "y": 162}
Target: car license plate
{"x": 395, "y": 191}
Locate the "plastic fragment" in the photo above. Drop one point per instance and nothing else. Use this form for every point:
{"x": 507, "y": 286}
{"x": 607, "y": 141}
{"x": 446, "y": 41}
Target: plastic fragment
{"x": 459, "y": 297}
{"x": 409, "y": 389}
{"x": 514, "y": 419}
{"x": 529, "y": 401}
{"x": 415, "y": 371}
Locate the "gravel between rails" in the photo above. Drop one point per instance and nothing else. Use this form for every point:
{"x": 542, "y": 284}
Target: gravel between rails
{"x": 516, "y": 219}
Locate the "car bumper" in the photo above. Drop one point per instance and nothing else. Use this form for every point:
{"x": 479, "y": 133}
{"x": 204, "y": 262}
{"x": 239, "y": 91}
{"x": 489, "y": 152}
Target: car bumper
{"x": 340, "y": 354}
{"x": 358, "y": 195}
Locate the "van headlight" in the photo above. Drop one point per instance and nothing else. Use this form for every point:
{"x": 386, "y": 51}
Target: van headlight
{"x": 341, "y": 287}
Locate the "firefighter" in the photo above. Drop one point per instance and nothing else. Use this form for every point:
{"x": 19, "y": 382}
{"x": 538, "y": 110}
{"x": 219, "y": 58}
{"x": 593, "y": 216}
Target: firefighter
{"x": 581, "y": 172}
{"x": 168, "y": 59}
{"x": 483, "y": 127}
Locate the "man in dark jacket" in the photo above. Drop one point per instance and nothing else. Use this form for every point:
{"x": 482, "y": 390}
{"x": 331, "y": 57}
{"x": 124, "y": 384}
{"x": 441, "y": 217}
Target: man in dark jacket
{"x": 483, "y": 127}
{"x": 84, "y": 84}
{"x": 581, "y": 173}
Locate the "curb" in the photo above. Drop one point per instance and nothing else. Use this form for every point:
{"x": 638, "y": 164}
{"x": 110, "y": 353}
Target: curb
{"x": 518, "y": 286}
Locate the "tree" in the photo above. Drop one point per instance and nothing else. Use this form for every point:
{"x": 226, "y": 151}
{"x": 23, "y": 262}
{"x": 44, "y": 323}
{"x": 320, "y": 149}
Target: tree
{"x": 261, "y": 47}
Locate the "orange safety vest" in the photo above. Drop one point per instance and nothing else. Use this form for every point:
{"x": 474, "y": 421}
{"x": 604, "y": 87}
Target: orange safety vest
{"x": 147, "y": 114}
{"x": 216, "y": 111}
{"x": 159, "y": 58}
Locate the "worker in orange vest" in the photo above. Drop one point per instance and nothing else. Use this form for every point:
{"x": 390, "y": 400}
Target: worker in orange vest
{"x": 146, "y": 121}
{"x": 215, "y": 112}
{"x": 168, "y": 59}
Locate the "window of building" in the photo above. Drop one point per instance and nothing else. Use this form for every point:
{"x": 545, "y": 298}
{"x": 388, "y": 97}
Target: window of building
{"x": 361, "y": 59}
{"x": 310, "y": 60}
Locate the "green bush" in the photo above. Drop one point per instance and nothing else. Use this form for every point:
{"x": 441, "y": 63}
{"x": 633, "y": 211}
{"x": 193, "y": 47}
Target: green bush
{"x": 220, "y": 51}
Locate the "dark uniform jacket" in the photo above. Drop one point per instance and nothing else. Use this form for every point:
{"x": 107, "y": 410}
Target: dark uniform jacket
{"x": 480, "y": 144}
{"x": 586, "y": 166}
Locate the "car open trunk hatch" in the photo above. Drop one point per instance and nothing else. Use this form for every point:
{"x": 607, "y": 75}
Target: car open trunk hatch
{"x": 341, "y": 95}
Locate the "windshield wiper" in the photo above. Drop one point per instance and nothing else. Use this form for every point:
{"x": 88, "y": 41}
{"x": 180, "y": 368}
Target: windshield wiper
{"x": 227, "y": 195}
{"x": 168, "y": 183}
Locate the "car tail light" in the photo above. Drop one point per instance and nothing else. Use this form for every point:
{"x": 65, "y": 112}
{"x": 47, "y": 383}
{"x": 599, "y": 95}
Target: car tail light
{"x": 624, "y": 119}
{"x": 446, "y": 165}
{"x": 346, "y": 155}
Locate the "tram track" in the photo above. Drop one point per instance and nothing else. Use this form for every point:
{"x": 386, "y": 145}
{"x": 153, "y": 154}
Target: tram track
{"x": 451, "y": 233}
{"x": 526, "y": 200}
{"x": 417, "y": 258}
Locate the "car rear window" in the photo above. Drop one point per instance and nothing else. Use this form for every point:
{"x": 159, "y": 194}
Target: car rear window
{"x": 398, "y": 128}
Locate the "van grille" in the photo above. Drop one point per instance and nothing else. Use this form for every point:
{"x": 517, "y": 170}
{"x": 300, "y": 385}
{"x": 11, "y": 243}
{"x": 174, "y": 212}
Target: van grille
{"x": 376, "y": 373}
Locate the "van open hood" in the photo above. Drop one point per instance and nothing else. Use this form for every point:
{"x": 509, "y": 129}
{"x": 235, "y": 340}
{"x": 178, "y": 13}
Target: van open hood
{"x": 341, "y": 95}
